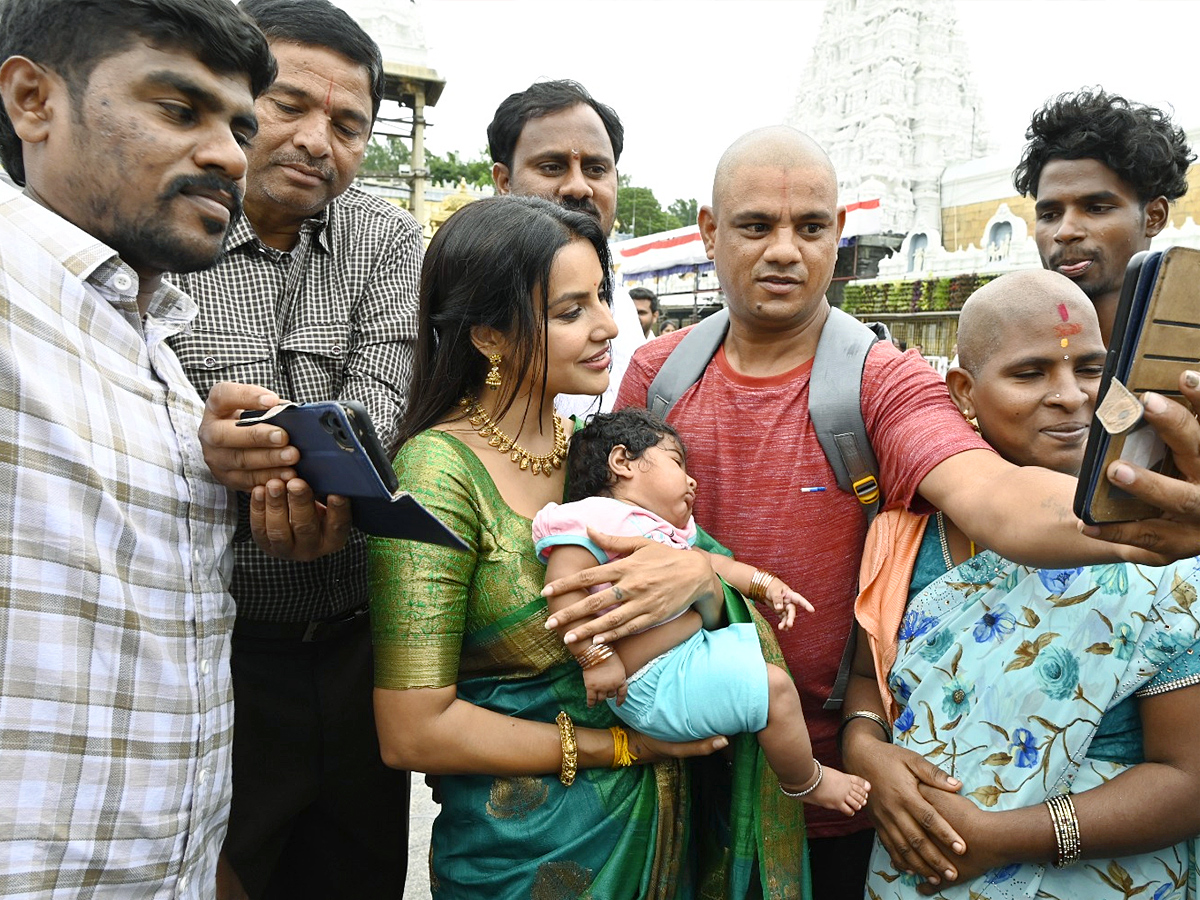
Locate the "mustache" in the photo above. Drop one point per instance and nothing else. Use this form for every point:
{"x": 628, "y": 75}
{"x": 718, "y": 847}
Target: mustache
{"x": 303, "y": 159}
{"x": 580, "y": 204}
{"x": 208, "y": 181}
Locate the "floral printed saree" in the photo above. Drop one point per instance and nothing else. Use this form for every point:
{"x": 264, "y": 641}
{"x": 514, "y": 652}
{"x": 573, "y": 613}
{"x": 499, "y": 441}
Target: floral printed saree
{"x": 1005, "y": 676}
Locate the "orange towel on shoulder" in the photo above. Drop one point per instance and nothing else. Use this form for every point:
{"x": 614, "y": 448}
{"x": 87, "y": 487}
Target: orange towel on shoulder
{"x": 889, "y": 555}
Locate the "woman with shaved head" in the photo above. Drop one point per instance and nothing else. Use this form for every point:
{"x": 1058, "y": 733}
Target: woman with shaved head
{"x": 1061, "y": 706}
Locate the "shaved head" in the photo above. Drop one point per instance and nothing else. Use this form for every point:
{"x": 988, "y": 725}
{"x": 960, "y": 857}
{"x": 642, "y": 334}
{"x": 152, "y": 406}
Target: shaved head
{"x": 1008, "y": 304}
{"x": 776, "y": 146}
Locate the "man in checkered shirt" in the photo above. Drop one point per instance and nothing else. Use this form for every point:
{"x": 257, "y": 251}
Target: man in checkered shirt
{"x": 315, "y": 299}
{"x": 123, "y": 121}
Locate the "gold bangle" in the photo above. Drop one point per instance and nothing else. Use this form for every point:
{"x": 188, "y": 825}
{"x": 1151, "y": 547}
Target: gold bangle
{"x": 570, "y": 750}
{"x": 621, "y": 755}
{"x": 1066, "y": 829}
{"x": 594, "y": 655}
{"x": 759, "y": 583}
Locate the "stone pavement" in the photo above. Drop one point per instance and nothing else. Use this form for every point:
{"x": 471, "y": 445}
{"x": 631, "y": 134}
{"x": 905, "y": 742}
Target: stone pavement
{"x": 423, "y": 811}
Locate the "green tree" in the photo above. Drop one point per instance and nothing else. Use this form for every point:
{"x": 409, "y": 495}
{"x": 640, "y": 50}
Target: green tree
{"x": 639, "y": 212}
{"x": 684, "y": 211}
{"x": 451, "y": 169}
{"x": 384, "y": 156}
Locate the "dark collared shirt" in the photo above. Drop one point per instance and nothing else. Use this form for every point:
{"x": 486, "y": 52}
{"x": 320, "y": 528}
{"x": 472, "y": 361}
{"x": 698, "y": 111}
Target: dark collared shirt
{"x": 334, "y": 318}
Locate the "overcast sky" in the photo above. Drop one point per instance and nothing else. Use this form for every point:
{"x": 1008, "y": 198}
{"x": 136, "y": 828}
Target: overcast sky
{"x": 689, "y": 77}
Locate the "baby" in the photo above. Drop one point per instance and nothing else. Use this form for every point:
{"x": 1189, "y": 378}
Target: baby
{"x": 679, "y": 681}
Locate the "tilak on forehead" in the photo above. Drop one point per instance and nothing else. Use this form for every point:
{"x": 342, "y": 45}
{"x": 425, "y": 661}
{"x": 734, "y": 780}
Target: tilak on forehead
{"x": 329, "y": 97}
{"x": 1067, "y": 328}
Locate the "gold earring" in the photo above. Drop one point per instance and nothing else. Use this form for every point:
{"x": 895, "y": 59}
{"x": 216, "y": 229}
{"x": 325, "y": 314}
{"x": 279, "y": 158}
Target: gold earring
{"x": 493, "y": 377}
{"x": 970, "y": 420}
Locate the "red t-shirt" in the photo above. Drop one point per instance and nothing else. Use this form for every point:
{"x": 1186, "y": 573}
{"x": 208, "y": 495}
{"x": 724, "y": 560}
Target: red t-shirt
{"x": 751, "y": 446}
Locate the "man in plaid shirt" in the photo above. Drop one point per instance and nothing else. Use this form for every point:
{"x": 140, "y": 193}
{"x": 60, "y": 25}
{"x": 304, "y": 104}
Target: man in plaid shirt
{"x": 315, "y": 299}
{"x": 123, "y": 121}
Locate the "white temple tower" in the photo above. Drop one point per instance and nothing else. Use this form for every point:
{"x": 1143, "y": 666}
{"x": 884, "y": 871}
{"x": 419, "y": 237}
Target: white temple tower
{"x": 889, "y": 94}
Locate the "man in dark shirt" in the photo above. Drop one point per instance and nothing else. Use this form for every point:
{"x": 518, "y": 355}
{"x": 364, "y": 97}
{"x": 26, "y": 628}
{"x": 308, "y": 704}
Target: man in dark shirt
{"x": 315, "y": 300}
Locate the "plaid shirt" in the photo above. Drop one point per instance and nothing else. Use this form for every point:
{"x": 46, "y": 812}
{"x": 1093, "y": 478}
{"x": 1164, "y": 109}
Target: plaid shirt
{"x": 116, "y": 708}
{"x": 334, "y": 318}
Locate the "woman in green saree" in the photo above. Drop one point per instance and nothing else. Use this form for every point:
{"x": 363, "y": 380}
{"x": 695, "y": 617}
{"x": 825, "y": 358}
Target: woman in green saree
{"x": 1046, "y": 723}
{"x": 538, "y": 797}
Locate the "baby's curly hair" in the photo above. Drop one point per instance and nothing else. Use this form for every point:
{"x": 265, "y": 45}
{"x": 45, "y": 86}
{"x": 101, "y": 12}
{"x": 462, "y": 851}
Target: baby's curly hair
{"x": 1138, "y": 142}
{"x": 588, "y": 474}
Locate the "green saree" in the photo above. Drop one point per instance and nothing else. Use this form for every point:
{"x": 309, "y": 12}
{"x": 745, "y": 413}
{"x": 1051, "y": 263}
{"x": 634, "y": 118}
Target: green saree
{"x": 476, "y": 619}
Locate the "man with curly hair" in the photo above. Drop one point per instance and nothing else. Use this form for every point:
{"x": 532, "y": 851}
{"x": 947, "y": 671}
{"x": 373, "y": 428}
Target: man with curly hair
{"x": 1104, "y": 172}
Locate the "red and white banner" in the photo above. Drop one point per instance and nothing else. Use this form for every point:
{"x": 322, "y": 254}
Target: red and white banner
{"x": 863, "y": 217}
{"x": 678, "y": 247}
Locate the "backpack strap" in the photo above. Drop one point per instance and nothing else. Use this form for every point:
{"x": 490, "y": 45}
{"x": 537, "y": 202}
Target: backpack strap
{"x": 834, "y": 403}
{"x": 835, "y": 407}
{"x": 687, "y": 362}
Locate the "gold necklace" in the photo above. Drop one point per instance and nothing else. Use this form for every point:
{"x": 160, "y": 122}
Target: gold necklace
{"x": 486, "y": 428}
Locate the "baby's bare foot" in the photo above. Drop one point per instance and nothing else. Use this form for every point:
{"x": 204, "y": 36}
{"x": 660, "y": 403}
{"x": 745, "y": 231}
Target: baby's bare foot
{"x": 839, "y": 791}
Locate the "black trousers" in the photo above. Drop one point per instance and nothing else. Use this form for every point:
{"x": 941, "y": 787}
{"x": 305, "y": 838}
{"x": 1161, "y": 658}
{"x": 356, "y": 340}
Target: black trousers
{"x": 839, "y": 865}
{"x": 315, "y": 812}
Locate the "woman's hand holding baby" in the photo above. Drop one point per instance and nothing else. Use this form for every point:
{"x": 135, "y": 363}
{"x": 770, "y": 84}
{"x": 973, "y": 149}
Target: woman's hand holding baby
{"x": 649, "y": 586}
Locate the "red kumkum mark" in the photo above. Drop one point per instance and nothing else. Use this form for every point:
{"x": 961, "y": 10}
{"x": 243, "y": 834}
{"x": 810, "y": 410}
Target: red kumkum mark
{"x": 329, "y": 104}
{"x": 1068, "y": 329}
{"x": 1062, "y": 312}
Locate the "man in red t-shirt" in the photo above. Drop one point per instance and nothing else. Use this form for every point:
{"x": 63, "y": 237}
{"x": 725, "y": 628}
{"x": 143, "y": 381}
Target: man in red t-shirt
{"x": 772, "y": 231}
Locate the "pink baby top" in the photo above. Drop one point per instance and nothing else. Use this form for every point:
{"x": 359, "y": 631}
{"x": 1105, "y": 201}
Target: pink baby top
{"x": 567, "y": 523}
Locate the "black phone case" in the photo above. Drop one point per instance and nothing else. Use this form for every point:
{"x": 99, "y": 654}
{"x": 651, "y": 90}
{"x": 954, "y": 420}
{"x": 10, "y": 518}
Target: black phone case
{"x": 1156, "y": 335}
{"x": 341, "y": 454}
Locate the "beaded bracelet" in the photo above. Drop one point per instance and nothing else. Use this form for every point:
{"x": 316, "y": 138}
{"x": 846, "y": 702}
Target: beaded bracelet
{"x": 808, "y": 790}
{"x": 1066, "y": 829}
{"x": 570, "y": 750}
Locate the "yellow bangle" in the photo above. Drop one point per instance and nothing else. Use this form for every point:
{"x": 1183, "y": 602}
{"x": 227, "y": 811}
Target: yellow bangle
{"x": 621, "y": 755}
{"x": 759, "y": 583}
{"x": 570, "y": 750}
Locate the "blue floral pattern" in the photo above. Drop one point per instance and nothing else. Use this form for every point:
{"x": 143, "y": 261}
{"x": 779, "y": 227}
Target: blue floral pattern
{"x": 1003, "y": 675}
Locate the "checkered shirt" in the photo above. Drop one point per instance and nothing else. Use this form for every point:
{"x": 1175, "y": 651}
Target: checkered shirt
{"x": 334, "y": 318}
{"x": 116, "y": 707}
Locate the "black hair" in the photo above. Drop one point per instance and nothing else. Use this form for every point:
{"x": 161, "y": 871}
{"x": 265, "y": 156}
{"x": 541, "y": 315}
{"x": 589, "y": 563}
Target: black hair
{"x": 542, "y": 98}
{"x": 1138, "y": 142}
{"x": 483, "y": 267}
{"x": 634, "y": 428}
{"x": 321, "y": 24}
{"x": 71, "y": 37}
{"x": 641, "y": 293}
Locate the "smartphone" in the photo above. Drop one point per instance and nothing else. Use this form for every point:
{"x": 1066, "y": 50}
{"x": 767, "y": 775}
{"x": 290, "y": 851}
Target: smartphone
{"x": 340, "y": 452}
{"x": 1156, "y": 335}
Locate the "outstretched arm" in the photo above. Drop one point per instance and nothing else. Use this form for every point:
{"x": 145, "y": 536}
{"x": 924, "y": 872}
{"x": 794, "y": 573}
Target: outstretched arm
{"x": 650, "y": 584}
{"x": 1025, "y": 513}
